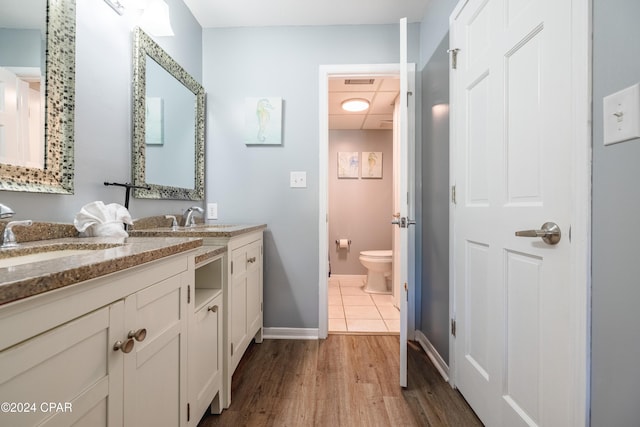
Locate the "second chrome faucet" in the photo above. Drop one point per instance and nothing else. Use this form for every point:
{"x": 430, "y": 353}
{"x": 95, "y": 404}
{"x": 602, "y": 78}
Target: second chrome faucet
{"x": 189, "y": 220}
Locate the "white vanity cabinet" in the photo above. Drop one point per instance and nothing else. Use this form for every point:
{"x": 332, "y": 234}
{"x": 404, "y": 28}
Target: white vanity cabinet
{"x": 110, "y": 351}
{"x": 243, "y": 299}
{"x": 206, "y": 317}
{"x": 245, "y": 314}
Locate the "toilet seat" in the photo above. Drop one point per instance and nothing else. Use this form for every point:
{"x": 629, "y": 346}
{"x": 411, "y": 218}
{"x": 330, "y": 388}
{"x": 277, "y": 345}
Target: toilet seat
{"x": 377, "y": 254}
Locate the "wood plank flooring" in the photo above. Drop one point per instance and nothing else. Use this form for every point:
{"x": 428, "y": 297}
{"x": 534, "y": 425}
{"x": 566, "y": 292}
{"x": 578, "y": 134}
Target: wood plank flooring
{"x": 345, "y": 380}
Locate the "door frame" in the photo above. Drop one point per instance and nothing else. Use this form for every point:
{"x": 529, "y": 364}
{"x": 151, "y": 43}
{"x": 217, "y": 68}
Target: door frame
{"x": 350, "y": 70}
{"x": 580, "y": 291}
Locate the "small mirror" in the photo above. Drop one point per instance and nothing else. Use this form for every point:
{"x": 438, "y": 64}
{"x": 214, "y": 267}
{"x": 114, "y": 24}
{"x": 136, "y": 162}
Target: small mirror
{"x": 168, "y": 125}
{"x": 37, "y": 57}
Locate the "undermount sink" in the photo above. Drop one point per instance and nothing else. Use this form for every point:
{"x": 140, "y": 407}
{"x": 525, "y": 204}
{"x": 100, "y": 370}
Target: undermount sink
{"x": 26, "y": 255}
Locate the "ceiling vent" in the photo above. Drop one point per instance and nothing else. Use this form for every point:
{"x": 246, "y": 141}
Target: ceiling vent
{"x": 359, "y": 81}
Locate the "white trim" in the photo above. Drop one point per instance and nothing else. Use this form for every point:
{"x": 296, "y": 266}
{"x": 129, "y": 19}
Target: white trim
{"x": 580, "y": 292}
{"x": 326, "y": 71}
{"x": 290, "y": 333}
{"x": 433, "y": 355}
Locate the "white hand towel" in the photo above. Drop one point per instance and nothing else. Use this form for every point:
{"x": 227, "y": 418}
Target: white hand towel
{"x": 97, "y": 219}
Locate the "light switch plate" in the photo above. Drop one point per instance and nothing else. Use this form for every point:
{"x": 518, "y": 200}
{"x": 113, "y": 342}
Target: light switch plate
{"x": 298, "y": 180}
{"x": 621, "y": 111}
{"x": 212, "y": 211}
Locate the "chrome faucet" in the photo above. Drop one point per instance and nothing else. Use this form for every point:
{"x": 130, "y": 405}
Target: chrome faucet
{"x": 8, "y": 238}
{"x": 189, "y": 220}
{"x": 5, "y": 211}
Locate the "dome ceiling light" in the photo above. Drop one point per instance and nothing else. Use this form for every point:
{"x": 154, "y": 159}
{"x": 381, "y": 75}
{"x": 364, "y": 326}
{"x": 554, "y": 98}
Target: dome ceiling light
{"x": 355, "y": 104}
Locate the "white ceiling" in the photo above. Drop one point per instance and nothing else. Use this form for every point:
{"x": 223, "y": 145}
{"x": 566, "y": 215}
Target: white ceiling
{"x": 381, "y": 94}
{"x": 261, "y": 13}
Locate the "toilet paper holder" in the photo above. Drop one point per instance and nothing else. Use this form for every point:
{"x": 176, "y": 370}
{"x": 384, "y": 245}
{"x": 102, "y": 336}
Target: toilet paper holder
{"x": 338, "y": 246}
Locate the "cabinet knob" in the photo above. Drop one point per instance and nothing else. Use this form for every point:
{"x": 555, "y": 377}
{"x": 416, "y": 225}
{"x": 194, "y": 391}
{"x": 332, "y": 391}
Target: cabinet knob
{"x": 125, "y": 347}
{"x": 251, "y": 260}
{"x": 139, "y": 335}
{"x": 213, "y": 308}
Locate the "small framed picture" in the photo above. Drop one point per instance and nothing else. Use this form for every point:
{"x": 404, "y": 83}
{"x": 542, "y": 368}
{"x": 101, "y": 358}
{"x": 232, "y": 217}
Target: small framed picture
{"x": 372, "y": 164}
{"x": 263, "y": 121}
{"x": 348, "y": 166}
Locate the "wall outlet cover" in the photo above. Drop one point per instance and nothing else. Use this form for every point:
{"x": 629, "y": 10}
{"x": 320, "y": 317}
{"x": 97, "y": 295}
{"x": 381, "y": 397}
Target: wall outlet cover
{"x": 212, "y": 211}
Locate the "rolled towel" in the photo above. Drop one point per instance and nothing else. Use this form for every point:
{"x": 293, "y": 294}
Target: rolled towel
{"x": 97, "y": 219}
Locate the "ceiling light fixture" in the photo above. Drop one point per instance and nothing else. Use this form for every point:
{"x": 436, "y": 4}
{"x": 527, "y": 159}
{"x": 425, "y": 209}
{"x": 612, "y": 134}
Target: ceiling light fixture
{"x": 116, "y": 5}
{"x": 154, "y": 18}
{"x": 355, "y": 104}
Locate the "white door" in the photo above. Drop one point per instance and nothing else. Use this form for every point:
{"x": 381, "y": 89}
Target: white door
{"x": 512, "y": 146}
{"x": 401, "y": 201}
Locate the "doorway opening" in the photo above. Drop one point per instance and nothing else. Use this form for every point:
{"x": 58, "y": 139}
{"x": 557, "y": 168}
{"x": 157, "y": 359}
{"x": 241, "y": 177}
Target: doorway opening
{"x": 357, "y": 190}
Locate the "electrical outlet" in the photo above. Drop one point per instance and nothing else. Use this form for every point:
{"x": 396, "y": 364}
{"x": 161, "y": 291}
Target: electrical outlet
{"x": 212, "y": 211}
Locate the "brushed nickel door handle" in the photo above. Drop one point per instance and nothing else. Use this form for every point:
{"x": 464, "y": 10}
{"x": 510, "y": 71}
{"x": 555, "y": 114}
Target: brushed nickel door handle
{"x": 139, "y": 335}
{"x": 125, "y": 347}
{"x": 550, "y": 233}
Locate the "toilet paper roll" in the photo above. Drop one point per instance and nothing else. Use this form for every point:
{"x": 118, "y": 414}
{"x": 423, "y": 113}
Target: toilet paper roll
{"x": 343, "y": 244}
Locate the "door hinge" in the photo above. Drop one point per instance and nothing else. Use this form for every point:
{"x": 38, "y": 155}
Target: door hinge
{"x": 453, "y": 194}
{"x": 188, "y": 294}
{"x": 453, "y": 327}
{"x": 188, "y": 412}
{"x": 454, "y": 58}
{"x": 232, "y": 349}
{"x": 231, "y": 267}
{"x": 409, "y": 93}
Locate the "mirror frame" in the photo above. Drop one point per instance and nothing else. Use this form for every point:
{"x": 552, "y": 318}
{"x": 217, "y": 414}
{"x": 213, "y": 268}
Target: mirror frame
{"x": 57, "y": 175}
{"x": 144, "y": 46}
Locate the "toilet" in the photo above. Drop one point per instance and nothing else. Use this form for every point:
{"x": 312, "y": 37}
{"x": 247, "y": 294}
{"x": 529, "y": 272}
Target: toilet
{"x": 378, "y": 265}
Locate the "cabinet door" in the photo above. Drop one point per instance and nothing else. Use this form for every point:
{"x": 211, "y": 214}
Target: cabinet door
{"x": 155, "y": 371}
{"x": 205, "y": 357}
{"x": 68, "y": 375}
{"x": 238, "y": 310}
{"x": 254, "y": 288}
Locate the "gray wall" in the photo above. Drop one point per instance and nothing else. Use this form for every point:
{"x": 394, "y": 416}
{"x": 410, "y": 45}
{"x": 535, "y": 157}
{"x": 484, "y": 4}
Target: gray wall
{"x": 434, "y": 304}
{"x": 432, "y": 182}
{"x": 615, "y": 319}
{"x": 251, "y": 184}
{"x": 359, "y": 209}
{"x": 20, "y": 48}
{"x": 103, "y": 111}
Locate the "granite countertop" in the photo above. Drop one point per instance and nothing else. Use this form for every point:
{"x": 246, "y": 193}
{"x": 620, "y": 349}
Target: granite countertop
{"x": 200, "y": 230}
{"x": 207, "y": 252}
{"x": 107, "y": 255}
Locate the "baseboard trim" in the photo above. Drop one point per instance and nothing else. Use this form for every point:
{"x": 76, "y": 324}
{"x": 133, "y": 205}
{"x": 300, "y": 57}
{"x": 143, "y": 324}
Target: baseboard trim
{"x": 433, "y": 355}
{"x": 290, "y": 333}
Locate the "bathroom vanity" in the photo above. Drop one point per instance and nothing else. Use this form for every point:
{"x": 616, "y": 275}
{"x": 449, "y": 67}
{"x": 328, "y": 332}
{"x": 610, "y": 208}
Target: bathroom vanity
{"x": 242, "y": 297}
{"x": 108, "y": 349}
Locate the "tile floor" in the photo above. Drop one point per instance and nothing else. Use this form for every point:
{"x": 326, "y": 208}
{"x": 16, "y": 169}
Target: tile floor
{"x": 351, "y": 309}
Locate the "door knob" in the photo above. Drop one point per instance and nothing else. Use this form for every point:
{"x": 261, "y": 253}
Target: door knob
{"x": 139, "y": 335}
{"x": 403, "y": 222}
{"x": 125, "y": 347}
{"x": 550, "y": 233}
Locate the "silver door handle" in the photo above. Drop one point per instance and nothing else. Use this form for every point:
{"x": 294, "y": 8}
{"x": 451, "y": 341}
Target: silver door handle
{"x": 403, "y": 222}
{"x": 550, "y": 233}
